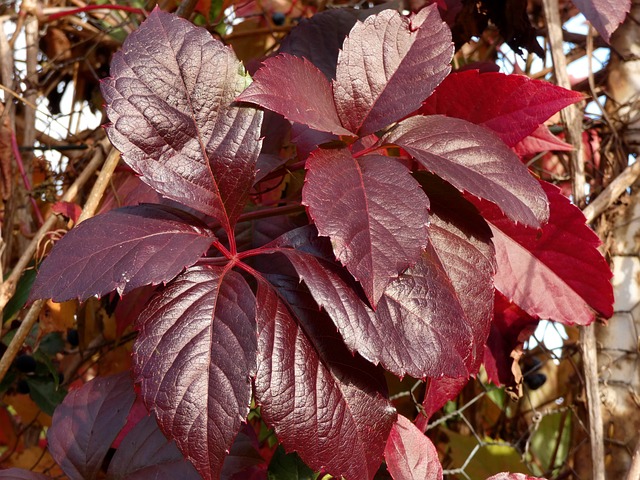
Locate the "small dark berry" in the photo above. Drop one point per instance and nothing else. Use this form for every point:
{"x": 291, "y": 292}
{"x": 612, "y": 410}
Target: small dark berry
{"x": 278, "y": 18}
{"x": 535, "y": 380}
{"x": 22, "y": 386}
{"x": 72, "y": 337}
{"x": 15, "y": 324}
{"x": 26, "y": 363}
{"x": 3, "y": 348}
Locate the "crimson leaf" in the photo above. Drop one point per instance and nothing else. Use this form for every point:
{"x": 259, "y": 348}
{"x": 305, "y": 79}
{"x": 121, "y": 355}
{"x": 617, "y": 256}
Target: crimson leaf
{"x": 540, "y": 140}
{"x": 513, "y": 106}
{"x": 556, "y": 273}
{"x": 473, "y": 159}
{"x": 439, "y": 392}
{"x": 170, "y": 100}
{"x": 388, "y": 65}
{"x": 419, "y": 327}
{"x": 146, "y": 453}
{"x": 513, "y": 476}
{"x": 410, "y": 455}
{"x": 373, "y": 211}
{"x": 86, "y": 423}
{"x": 282, "y": 85}
{"x": 121, "y": 250}
{"x": 194, "y": 357}
{"x": 321, "y": 401}
{"x": 604, "y": 15}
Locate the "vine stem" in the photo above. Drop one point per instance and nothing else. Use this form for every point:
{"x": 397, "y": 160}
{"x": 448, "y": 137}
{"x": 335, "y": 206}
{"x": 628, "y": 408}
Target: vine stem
{"x": 573, "y": 121}
{"x": 90, "y": 207}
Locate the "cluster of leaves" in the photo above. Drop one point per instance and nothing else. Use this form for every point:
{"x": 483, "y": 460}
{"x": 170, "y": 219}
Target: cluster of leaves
{"x": 414, "y": 211}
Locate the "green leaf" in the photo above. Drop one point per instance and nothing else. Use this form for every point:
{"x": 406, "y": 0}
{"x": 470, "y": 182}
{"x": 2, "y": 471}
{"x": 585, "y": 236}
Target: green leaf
{"x": 43, "y": 391}
{"x": 288, "y": 466}
{"x": 15, "y": 304}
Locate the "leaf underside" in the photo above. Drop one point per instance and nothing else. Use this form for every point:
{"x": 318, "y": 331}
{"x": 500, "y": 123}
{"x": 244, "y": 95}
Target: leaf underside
{"x": 556, "y": 273}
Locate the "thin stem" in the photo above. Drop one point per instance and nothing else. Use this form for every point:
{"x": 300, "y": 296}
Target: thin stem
{"x": 87, "y": 8}
{"x": 25, "y": 178}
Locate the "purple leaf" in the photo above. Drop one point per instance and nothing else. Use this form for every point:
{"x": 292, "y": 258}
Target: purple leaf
{"x": 419, "y": 327}
{"x": 513, "y": 106}
{"x": 557, "y": 272}
{"x": 321, "y": 401}
{"x": 283, "y": 85}
{"x": 121, "y": 250}
{"x": 604, "y": 15}
{"x": 146, "y": 453}
{"x": 410, "y": 455}
{"x": 170, "y": 100}
{"x": 87, "y": 422}
{"x": 194, "y": 357}
{"x": 388, "y": 65}
{"x": 372, "y": 209}
{"x": 244, "y": 461}
{"x": 21, "y": 474}
{"x": 473, "y": 159}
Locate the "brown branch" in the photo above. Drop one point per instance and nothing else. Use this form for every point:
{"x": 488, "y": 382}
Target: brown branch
{"x": 572, "y": 118}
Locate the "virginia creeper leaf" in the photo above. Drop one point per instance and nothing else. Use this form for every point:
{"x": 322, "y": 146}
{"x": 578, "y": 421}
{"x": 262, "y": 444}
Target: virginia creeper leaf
{"x": 289, "y": 466}
{"x": 410, "y": 455}
{"x": 604, "y": 15}
{"x": 282, "y": 85}
{"x": 473, "y": 159}
{"x": 146, "y": 453}
{"x": 513, "y": 106}
{"x": 556, "y": 273}
{"x": 194, "y": 357}
{"x": 121, "y": 250}
{"x": 320, "y": 37}
{"x": 244, "y": 461}
{"x": 86, "y": 423}
{"x": 321, "y": 401}
{"x": 170, "y": 100}
{"x": 419, "y": 327}
{"x": 439, "y": 392}
{"x": 373, "y": 211}
{"x": 510, "y": 328}
{"x": 540, "y": 140}
{"x": 388, "y": 65}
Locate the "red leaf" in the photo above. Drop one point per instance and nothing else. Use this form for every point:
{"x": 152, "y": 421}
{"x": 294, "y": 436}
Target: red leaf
{"x": 410, "y": 455}
{"x": 283, "y": 85}
{"x": 321, "y": 401}
{"x": 474, "y": 160}
{"x": 170, "y": 99}
{"x": 419, "y": 327}
{"x": 86, "y": 423}
{"x": 121, "y": 250}
{"x": 388, "y": 65}
{"x": 510, "y": 328}
{"x": 373, "y": 211}
{"x": 244, "y": 461}
{"x": 194, "y": 357}
{"x": 70, "y": 210}
{"x": 557, "y": 272}
{"x": 439, "y": 392}
{"x": 541, "y": 140}
{"x": 146, "y": 453}
{"x": 513, "y": 106}
{"x": 604, "y": 15}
